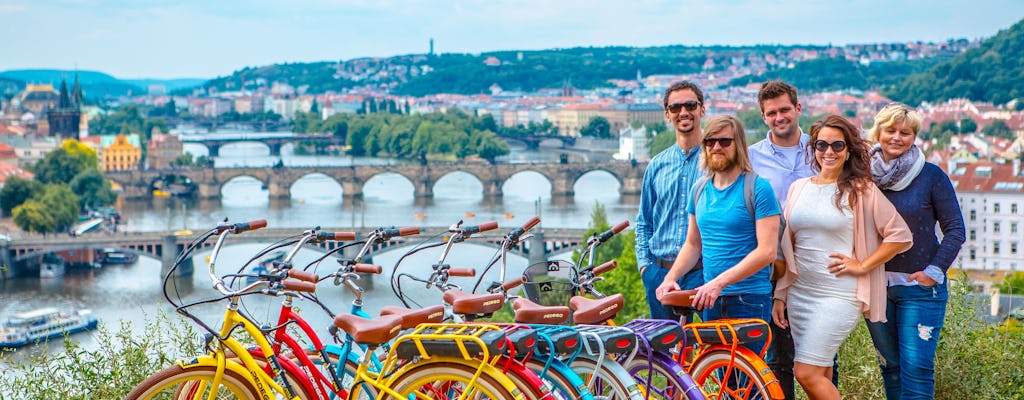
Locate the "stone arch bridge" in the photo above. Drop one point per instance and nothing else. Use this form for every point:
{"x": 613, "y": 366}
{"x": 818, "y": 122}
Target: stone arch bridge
{"x": 279, "y": 180}
{"x": 165, "y": 246}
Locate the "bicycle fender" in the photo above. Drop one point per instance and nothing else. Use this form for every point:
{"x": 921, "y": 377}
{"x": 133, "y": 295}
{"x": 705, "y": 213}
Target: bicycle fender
{"x": 487, "y": 369}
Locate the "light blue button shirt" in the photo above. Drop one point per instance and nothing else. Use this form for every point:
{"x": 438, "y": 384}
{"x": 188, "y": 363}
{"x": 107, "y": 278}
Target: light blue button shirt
{"x": 662, "y": 221}
{"x": 779, "y": 165}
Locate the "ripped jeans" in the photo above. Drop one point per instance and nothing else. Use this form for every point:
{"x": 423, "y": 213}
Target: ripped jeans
{"x": 906, "y": 343}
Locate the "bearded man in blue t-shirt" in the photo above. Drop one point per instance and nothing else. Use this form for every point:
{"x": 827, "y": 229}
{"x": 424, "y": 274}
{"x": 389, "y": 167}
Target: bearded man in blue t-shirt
{"x": 736, "y": 248}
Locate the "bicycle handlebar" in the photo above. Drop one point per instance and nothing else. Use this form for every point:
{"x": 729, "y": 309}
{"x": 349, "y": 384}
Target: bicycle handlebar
{"x": 608, "y": 266}
{"x": 367, "y": 268}
{"x": 462, "y": 272}
{"x": 240, "y": 227}
{"x": 303, "y": 275}
{"x": 486, "y": 226}
{"x": 299, "y": 286}
{"x": 339, "y": 236}
{"x": 406, "y": 231}
{"x": 512, "y": 284}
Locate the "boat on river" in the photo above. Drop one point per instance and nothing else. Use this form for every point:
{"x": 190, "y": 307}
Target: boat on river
{"x": 51, "y": 266}
{"x": 42, "y": 324}
{"x": 112, "y": 255}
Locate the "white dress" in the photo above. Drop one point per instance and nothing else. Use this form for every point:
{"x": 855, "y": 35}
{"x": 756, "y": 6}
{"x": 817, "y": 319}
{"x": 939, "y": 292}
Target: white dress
{"x": 823, "y": 309}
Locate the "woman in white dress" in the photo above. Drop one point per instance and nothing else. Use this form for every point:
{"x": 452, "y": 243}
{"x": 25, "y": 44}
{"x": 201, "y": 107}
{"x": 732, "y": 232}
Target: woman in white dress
{"x": 840, "y": 229}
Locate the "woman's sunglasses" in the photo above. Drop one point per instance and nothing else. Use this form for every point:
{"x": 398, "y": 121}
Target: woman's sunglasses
{"x": 837, "y": 146}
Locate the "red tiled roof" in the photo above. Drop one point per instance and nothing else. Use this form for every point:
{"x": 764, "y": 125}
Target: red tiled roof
{"x": 986, "y": 177}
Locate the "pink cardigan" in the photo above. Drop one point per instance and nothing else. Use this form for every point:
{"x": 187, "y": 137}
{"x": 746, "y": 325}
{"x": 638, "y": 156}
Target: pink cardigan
{"x": 875, "y": 221}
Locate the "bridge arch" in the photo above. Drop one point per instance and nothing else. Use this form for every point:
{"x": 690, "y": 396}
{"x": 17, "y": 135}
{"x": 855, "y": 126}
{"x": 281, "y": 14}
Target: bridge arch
{"x": 532, "y": 174}
{"x": 372, "y": 186}
{"x": 245, "y": 188}
{"x": 597, "y": 172}
{"x": 246, "y": 146}
{"x": 329, "y": 190}
{"x": 461, "y": 180}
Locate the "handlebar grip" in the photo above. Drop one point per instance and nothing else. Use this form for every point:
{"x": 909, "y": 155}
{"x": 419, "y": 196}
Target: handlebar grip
{"x": 303, "y": 275}
{"x": 368, "y": 268}
{"x": 486, "y": 226}
{"x": 299, "y": 286}
{"x": 336, "y": 235}
{"x": 512, "y": 284}
{"x": 249, "y": 226}
{"x": 622, "y": 225}
{"x": 531, "y": 223}
{"x": 608, "y": 266}
{"x": 408, "y": 231}
{"x": 464, "y": 272}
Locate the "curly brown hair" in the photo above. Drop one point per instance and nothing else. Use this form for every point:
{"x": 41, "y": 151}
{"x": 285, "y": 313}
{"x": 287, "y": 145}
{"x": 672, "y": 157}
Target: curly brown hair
{"x": 856, "y": 174}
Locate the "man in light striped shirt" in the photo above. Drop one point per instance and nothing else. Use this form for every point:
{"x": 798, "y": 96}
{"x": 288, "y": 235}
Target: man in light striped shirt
{"x": 662, "y": 222}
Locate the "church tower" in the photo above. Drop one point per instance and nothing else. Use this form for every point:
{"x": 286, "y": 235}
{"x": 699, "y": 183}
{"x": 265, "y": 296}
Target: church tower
{"x": 66, "y": 118}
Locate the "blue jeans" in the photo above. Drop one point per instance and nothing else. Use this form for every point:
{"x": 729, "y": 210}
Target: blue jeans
{"x": 906, "y": 343}
{"x": 744, "y": 306}
{"x": 652, "y": 277}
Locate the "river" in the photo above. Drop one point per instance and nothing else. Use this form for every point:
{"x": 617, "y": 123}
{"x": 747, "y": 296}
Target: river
{"x": 132, "y": 293}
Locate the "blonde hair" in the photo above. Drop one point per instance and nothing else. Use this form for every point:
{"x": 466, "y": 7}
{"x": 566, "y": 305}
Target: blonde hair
{"x": 892, "y": 114}
{"x": 715, "y": 125}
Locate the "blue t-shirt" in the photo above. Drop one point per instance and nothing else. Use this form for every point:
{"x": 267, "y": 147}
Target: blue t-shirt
{"x": 728, "y": 234}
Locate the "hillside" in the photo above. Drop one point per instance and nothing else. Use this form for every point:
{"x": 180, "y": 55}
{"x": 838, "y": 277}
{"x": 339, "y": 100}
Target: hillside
{"x": 836, "y": 73}
{"x": 990, "y": 72}
{"x": 94, "y": 84}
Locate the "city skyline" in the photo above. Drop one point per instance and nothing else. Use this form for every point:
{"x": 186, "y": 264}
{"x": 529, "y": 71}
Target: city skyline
{"x": 198, "y": 39}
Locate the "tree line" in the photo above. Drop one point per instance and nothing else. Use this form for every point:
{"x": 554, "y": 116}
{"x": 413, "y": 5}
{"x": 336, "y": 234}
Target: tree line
{"x": 451, "y": 135}
{"x": 67, "y": 181}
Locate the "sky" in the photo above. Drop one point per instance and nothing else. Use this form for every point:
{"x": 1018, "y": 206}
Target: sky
{"x": 132, "y": 39}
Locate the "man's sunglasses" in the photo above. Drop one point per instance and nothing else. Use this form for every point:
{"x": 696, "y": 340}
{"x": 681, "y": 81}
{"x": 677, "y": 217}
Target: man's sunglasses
{"x": 837, "y": 146}
{"x": 688, "y": 105}
{"x": 723, "y": 142}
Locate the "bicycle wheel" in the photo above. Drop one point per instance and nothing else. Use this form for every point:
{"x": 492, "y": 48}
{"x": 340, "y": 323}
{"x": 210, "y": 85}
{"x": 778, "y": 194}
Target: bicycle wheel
{"x": 613, "y": 382}
{"x": 443, "y": 380}
{"x": 744, "y": 381}
{"x": 662, "y": 379}
{"x": 175, "y": 382}
{"x": 526, "y": 380}
{"x": 562, "y": 386}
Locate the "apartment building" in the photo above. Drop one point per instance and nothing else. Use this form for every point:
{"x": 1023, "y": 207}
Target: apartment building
{"x": 991, "y": 198}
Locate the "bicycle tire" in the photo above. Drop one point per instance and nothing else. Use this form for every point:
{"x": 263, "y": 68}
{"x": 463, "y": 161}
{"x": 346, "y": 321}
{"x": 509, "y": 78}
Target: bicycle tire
{"x": 562, "y": 386}
{"x": 745, "y": 380}
{"x": 613, "y": 382}
{"x": 527, "y": 384}
{"x": 303, "y": 391}
{"x": 423, "y": 381}
{"x": 178, "y": 380}
{"x": 665, "y": 379}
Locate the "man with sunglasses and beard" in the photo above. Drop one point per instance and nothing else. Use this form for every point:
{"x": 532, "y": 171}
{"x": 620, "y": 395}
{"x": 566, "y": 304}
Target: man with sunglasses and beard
{"x": 662, "y": 222}
{"x": 736, "y": 244}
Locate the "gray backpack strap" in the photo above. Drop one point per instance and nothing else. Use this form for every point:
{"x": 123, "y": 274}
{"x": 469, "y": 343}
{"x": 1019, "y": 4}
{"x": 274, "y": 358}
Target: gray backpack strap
{"x": 700, "y": 185}
{"x": 749, "y": 180}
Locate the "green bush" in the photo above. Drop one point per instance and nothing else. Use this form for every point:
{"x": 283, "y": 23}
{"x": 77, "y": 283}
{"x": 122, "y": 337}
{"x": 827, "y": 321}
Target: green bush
{"x": 120, "y": 361}
{"x": 974, "y": 361}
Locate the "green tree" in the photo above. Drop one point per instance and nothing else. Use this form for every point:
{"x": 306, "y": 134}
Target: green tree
{"x": 968, "y": 125}
{"x": 625, "y": 279}
{"x": 998, "y": 128}
{"x": 491, "y": 147}
{"x": 751, "y": 119}
{"x": 16, "y": 191}
{"x": 61, "y": 165}
{"x": 61, "y": 203}
{"x": 662, "y": 141}
{"x": 1013, "y": 283}
{"x": 93, "y": 189}
{"x": 31, "y": 216}
{"x": 597, "y": 127}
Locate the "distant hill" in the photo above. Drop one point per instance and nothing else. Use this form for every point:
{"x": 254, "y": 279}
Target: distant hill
{"x": 94, "y": 84}
{"x": 170, "y": 84}
{"x": 825, "y": 74}
{"x": 991, "y": 72}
